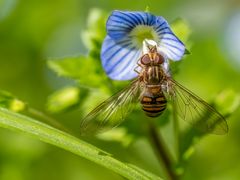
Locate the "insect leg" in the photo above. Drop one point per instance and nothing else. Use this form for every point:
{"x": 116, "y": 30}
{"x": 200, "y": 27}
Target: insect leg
{"x": 135, "y": 69}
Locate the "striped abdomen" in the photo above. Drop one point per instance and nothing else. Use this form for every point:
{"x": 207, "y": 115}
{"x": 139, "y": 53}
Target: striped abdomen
{"x": 153, "y": 104}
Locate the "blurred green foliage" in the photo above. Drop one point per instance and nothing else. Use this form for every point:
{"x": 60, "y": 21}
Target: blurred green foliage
{"x": 63, "y": 99}
{"x": 84, "y": 69}
{"x": 7, "y": 100}
{"x": 33, "y": 31}
{"x": 70, "y": 143}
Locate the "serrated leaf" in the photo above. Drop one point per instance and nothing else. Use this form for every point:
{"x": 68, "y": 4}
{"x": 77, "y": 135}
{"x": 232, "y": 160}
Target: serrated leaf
{"x": 48, "y": 134}
{"x": 86, "y": 70}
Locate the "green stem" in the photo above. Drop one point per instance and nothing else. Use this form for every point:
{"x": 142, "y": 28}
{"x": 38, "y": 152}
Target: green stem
{"x": 38, "y": 114}
{"x": 176, "y": 134}
{"x": 48, "y": 134}
{"x": 161, "y": 151}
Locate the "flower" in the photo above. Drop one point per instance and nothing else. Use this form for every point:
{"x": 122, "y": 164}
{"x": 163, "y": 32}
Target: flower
{"x": 123, "y": 45}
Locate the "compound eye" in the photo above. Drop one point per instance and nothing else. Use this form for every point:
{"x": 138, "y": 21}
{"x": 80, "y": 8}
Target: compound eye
{"x": 159, "y": 59}
{"x": 145, "y": 60}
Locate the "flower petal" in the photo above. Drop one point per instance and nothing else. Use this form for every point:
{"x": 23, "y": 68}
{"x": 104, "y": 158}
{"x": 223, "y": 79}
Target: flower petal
{"x": 121, "y": 23}
{"x": 126, "y": 32}
{"x": 168, "y": 43}
{"x": 119, "y": 58}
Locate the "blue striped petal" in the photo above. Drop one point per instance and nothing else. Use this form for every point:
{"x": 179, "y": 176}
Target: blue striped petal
{"x": 126, "y": 32}
{"x": 121, "y": 23}
{"x": 119, "y": 58}
{"x": 168, "y": 43}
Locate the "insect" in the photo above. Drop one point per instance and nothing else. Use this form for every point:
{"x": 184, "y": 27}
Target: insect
{"x": 154, "y": 89}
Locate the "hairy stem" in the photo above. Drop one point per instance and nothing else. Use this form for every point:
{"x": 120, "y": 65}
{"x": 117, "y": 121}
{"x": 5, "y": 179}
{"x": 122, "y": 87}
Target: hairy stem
{"x": 161, "y": 151}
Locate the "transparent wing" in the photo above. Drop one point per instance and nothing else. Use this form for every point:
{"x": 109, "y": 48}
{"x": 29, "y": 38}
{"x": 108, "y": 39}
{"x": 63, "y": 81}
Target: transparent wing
{"x": 193, "y": 109}
{"x": 111, "y": 112}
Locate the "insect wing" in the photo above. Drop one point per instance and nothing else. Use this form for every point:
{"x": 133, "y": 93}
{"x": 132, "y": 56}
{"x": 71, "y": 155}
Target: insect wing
{"x": 193, "y": 109}
{"x": 111, "y": 112}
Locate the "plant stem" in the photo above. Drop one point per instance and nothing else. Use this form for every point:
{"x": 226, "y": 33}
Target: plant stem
{"x": 38, "y": 114}
{"x": 51, "y": 135}
{"x": 161, "y": 151}
{"x": 176, "y": 133}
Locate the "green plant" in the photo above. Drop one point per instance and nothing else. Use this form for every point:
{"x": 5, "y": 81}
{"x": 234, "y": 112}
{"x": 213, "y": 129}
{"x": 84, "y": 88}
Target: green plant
{"x": 92, "y": 86}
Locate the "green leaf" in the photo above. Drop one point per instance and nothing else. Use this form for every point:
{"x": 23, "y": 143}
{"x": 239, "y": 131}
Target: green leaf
{"x": 227, "y": 102}
{"x": 7, "y": 100}
{"x": 48, "y": 134}
{"x": 95, "y": 32}
{"x": 118, "y": 134}
{"x": 63, "y": 99}
{"x": 182, "y": 30}
{"x": 86, "y": 70}
{"x": 147, "y": 9}
{"x": 93, "y": 99}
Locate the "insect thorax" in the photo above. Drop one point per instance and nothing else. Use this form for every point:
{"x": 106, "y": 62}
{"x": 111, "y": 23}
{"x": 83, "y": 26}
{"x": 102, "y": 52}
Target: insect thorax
{"x": 152, "y": 75}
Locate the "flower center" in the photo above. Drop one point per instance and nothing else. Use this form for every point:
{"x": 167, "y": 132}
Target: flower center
{"x": 142, "y": 32}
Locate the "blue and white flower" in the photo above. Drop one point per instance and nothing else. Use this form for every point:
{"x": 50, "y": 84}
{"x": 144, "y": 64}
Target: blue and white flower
{"x": 126, "y": 33}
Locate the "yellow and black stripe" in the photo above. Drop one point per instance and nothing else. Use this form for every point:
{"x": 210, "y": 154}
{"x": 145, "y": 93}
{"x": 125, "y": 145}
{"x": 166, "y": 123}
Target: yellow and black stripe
{"x": 154, "y": 106}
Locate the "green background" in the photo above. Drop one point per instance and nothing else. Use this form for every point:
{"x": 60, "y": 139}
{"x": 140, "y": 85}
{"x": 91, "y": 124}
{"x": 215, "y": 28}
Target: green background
{"x": 33, "y": 31}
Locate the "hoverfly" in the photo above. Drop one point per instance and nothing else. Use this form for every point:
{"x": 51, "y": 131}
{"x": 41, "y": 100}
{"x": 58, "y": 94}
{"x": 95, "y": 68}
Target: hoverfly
{"x": 154, "y": 88}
